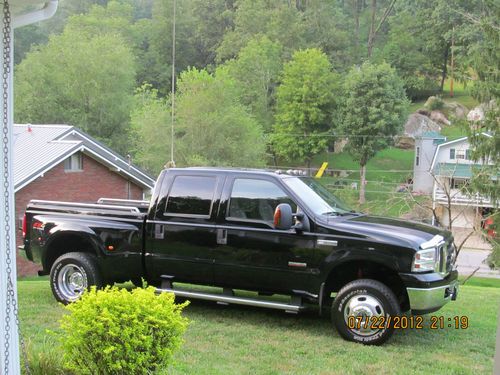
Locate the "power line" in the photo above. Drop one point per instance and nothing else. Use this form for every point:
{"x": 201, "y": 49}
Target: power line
{"x": 344, "y": 170}
{"x": 357, "y": 136}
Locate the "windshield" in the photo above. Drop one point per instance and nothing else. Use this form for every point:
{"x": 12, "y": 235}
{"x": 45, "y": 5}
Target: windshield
{"x": 316, "y": 196}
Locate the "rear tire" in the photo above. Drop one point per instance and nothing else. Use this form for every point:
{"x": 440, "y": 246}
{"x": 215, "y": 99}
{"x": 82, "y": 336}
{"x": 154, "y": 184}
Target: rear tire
{"x": 72, "y": 274}
{"x": 361, "y": 301}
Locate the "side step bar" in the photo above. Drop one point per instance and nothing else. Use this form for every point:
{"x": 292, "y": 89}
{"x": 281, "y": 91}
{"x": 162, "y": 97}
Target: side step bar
{"x": 227, "y": 299}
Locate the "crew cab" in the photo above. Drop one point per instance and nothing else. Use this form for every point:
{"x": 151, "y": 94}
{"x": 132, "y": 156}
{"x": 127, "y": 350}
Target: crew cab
{"x": 256, "y": 230}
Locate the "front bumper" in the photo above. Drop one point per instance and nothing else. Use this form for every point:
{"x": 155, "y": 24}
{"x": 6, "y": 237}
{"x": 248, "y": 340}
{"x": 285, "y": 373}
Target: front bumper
{"x": 434, "y": 295}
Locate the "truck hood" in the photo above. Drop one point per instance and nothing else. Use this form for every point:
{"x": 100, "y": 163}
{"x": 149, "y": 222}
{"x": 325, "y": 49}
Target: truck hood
{"x": 386, "y": 230}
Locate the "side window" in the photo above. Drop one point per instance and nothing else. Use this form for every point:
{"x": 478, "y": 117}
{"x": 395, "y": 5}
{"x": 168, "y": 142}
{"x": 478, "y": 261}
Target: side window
{"x": 191, "y": 196}
{"x": 452, "y": 153}
{"x": 256, "y": 200}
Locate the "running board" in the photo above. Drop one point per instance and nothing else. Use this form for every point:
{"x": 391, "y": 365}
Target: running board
{"x": 225, "y": 299}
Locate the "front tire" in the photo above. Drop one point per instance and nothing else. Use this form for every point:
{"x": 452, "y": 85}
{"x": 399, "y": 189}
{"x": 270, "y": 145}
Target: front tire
{"x": 361, "y": 307}
{"x": 72, "y": 274}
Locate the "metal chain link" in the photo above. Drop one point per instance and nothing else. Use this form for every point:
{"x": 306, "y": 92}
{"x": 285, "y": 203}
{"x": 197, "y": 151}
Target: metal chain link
{"x": 11, "y": 293}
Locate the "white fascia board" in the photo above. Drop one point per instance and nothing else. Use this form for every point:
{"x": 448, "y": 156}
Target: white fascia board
{"x": 48, "y": 10}
{"x": 119, "y": 169}
{"x": 115, "y": 157}
{"x": 438, "y": 148}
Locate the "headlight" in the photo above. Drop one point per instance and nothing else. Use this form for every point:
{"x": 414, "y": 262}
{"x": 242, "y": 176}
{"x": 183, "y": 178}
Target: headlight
{"x": 426, "y": 260}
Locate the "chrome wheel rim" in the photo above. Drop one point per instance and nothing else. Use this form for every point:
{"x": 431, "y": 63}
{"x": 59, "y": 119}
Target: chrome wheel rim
{"x": 72, "y": 281}
{"x": 365, "y": 309}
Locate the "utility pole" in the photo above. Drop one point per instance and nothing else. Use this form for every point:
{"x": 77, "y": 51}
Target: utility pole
{"x": 172, "y": 162}
{"x": 129, "y": 159}
{"x": 452, "y": 60}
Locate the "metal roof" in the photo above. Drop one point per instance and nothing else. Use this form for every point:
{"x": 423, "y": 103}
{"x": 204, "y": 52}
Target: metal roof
{"x": 432, "y": 135}
{"x": 38, "y": 148}
{"x": 454, "y": 170}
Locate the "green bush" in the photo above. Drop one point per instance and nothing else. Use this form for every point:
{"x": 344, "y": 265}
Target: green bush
{"x": 116, "y": 331}
{"x": 434, "y": 103}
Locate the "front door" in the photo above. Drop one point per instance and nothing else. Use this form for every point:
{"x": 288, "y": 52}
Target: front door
{"x": 251, "y": 253}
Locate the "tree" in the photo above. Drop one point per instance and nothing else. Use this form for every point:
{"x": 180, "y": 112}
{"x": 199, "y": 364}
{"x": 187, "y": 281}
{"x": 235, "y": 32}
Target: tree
{"x": 374, "y": 109}
{"x": 305, "y": 105}
{"x": 406, "y": 52}
{"x": 150, "y": 123}
{"x": 256, "y": 71}
{"x": 279, "y": 21}
{"x": 78, "y": 79}
{"x": 156, "y": 58}
{"x": 212, "y": 18}
{"x": 484, "y": 58}
{"x": 327, "y": 27}
{"x": 212, "y": 126}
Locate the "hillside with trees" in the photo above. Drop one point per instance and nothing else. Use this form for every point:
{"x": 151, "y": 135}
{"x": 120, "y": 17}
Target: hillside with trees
{"x": 257, "y": 81}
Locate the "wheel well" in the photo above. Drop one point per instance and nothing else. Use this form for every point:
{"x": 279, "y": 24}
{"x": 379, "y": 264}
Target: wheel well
{"x": 347, "y": 272}
{"x": 66, "y": 243}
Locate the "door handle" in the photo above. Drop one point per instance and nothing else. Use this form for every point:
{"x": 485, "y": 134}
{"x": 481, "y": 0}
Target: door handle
{"x": 222, "y": 236}
{"x": 159, "y": 232}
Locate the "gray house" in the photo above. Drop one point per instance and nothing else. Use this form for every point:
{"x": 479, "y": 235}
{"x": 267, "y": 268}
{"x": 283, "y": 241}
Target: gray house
{"x": 425, "y": 149}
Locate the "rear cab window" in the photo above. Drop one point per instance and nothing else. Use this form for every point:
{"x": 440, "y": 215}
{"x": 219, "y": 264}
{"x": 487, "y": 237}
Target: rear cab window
{"x": 191, "y": 197}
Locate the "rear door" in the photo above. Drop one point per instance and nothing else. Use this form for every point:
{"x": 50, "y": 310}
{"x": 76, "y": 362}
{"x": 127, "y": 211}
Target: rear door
{"x": 251, "y": 253}
{"x": 182, "y": 234}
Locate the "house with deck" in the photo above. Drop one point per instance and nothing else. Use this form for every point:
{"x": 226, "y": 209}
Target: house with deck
{"x": 446, "y": 176}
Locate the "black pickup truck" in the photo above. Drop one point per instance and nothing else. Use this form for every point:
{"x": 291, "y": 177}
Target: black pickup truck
{"x": 263, "y": 231}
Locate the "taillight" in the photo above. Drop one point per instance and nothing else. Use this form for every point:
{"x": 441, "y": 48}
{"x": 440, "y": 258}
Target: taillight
{"x": 24, "y": 226}
{"x": 37, "y": 224}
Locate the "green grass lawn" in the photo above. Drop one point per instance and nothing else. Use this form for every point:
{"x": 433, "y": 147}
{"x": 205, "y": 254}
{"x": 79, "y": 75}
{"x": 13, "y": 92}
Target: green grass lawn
{"x": 244, "y": 340}
{"x": 384, "y": 174}
{"x": 388, "y": 165}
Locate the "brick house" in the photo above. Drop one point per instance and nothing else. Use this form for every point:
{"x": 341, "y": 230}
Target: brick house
{"x": 60, "y": 162}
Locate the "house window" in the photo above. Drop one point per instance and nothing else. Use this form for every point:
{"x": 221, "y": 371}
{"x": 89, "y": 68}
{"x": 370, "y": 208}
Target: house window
{"x": 452, "y": 153}
{"x": 467, "y": 154}
{"x": 74, "y": 163}
{"x": 417, "y": 158}
{"x": 460, "y": 154}
{"x": 459, "y": 183}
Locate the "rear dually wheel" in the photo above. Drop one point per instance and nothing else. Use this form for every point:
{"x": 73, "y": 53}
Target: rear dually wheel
{"x": 72, "y": 274}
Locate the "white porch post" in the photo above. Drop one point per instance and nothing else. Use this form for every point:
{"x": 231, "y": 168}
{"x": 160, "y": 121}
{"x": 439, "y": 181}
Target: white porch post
{"x": 9, "y": 337}
{"x": 7, "y": 229}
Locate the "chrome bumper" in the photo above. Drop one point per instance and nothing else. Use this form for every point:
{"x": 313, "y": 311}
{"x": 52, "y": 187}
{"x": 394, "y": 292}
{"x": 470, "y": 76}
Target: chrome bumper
{"x": 431, "y": 299}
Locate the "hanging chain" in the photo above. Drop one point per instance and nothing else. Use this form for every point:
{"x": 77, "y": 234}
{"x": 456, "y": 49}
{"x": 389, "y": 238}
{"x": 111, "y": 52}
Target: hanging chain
{"x": 11, "y": 293}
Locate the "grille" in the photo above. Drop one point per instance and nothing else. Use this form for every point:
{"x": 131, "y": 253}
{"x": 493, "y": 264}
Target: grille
{"x": 446, "y": 257}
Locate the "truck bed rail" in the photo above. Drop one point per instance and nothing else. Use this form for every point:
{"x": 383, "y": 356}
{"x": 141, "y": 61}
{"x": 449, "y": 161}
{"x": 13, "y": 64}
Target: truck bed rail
{"x": 123, "y": 202}
{"x": 128, "y": 209}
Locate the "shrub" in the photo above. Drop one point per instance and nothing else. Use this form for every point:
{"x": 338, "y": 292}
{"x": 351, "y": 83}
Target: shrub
{"x": 43, "y": 360}
{"x": 434, "y": 103}
{"x": 116, "y": 331}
